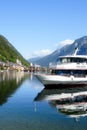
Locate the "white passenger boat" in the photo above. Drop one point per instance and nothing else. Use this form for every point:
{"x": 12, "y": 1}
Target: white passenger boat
{"x": 70, "y": 70}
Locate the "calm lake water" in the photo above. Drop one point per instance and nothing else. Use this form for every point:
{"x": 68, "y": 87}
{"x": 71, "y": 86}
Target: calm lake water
{"x": 26, "y": 105}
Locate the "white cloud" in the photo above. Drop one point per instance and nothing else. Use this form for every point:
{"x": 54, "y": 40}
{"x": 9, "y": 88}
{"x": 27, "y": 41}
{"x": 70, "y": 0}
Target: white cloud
{"x": 40, "y": 53}
{"x": 65, "y": 42}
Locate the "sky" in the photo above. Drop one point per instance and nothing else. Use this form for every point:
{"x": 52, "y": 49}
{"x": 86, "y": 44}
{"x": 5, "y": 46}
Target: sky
{"x": 39, "y": 27}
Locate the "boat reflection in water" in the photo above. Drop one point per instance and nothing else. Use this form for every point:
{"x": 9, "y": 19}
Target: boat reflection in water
{"x": 68, "y": 101}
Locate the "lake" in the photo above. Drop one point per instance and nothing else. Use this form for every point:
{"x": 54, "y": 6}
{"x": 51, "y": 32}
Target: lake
{"x": 26, "y": 105}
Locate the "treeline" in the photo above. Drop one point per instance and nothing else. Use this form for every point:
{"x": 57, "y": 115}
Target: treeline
{"x": 9, "y": 53}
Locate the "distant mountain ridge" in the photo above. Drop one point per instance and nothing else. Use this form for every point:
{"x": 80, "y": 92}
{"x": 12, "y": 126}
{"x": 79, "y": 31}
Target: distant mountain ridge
{"x": 80, "y": 43}
{"x": 9, "y": 53}
{"x": 34, "y": 59}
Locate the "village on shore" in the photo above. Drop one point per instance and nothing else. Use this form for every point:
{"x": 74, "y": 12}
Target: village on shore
{"x": 18, "y": 66}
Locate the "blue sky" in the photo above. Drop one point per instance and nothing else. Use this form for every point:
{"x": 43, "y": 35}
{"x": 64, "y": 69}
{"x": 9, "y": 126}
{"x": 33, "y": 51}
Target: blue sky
{"x": 37, "y": 27}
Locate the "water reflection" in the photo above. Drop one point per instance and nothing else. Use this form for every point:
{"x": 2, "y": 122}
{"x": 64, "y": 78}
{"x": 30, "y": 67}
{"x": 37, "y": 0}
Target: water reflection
{"x": 9, "y": 82}
{"x": 68, "y": 101}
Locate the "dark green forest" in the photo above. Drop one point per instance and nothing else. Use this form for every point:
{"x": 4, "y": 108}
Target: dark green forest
{"x": 9, "y": 52}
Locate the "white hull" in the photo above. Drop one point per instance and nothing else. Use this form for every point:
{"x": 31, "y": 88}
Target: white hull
{"x": 61, "y": 80}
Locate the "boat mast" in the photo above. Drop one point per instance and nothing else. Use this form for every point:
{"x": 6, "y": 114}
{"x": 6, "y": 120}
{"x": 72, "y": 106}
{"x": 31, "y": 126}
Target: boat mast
{"x": 76, "y": 49}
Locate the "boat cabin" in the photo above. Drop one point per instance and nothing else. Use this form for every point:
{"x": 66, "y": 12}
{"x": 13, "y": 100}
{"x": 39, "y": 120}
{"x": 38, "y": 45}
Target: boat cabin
{"x": 73, "y": 59}
{"x": 78, "y": 63}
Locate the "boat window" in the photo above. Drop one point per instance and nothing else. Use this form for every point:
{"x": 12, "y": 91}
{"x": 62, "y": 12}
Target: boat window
{"x": 68, "y": 60}
{"x": 53, "y": 72}
{"x": 85, "y": 60}
{"x": 75, "y": 73}
{"x": 73, "y": 60}
{"x": 78, "y": 73}
{"x": 81, "y": 60}
{"x": 64, "y": 60}
{"x": 78, "y": 60}
{"x": 63, "y": 72}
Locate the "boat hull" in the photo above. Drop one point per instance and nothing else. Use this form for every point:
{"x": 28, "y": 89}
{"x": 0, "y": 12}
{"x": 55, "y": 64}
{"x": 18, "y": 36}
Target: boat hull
{"x": 57, "y": 80}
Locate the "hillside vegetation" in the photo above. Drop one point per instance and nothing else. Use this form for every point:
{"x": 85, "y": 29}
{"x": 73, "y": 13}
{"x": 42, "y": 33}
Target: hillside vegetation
{"x": 9, "y": 53}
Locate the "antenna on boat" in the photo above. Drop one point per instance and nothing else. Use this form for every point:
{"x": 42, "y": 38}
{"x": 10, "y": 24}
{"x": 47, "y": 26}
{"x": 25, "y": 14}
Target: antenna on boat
{"x": 76, "y": 119}
{"x": 35, "y": 108}
{"x": 76, "y": 49}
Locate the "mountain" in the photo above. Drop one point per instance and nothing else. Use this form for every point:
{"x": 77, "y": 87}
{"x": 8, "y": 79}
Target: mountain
{"x": 34, "y": 59}
{"x": 80, "y": 43}
{"x": 9, "y": 53}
